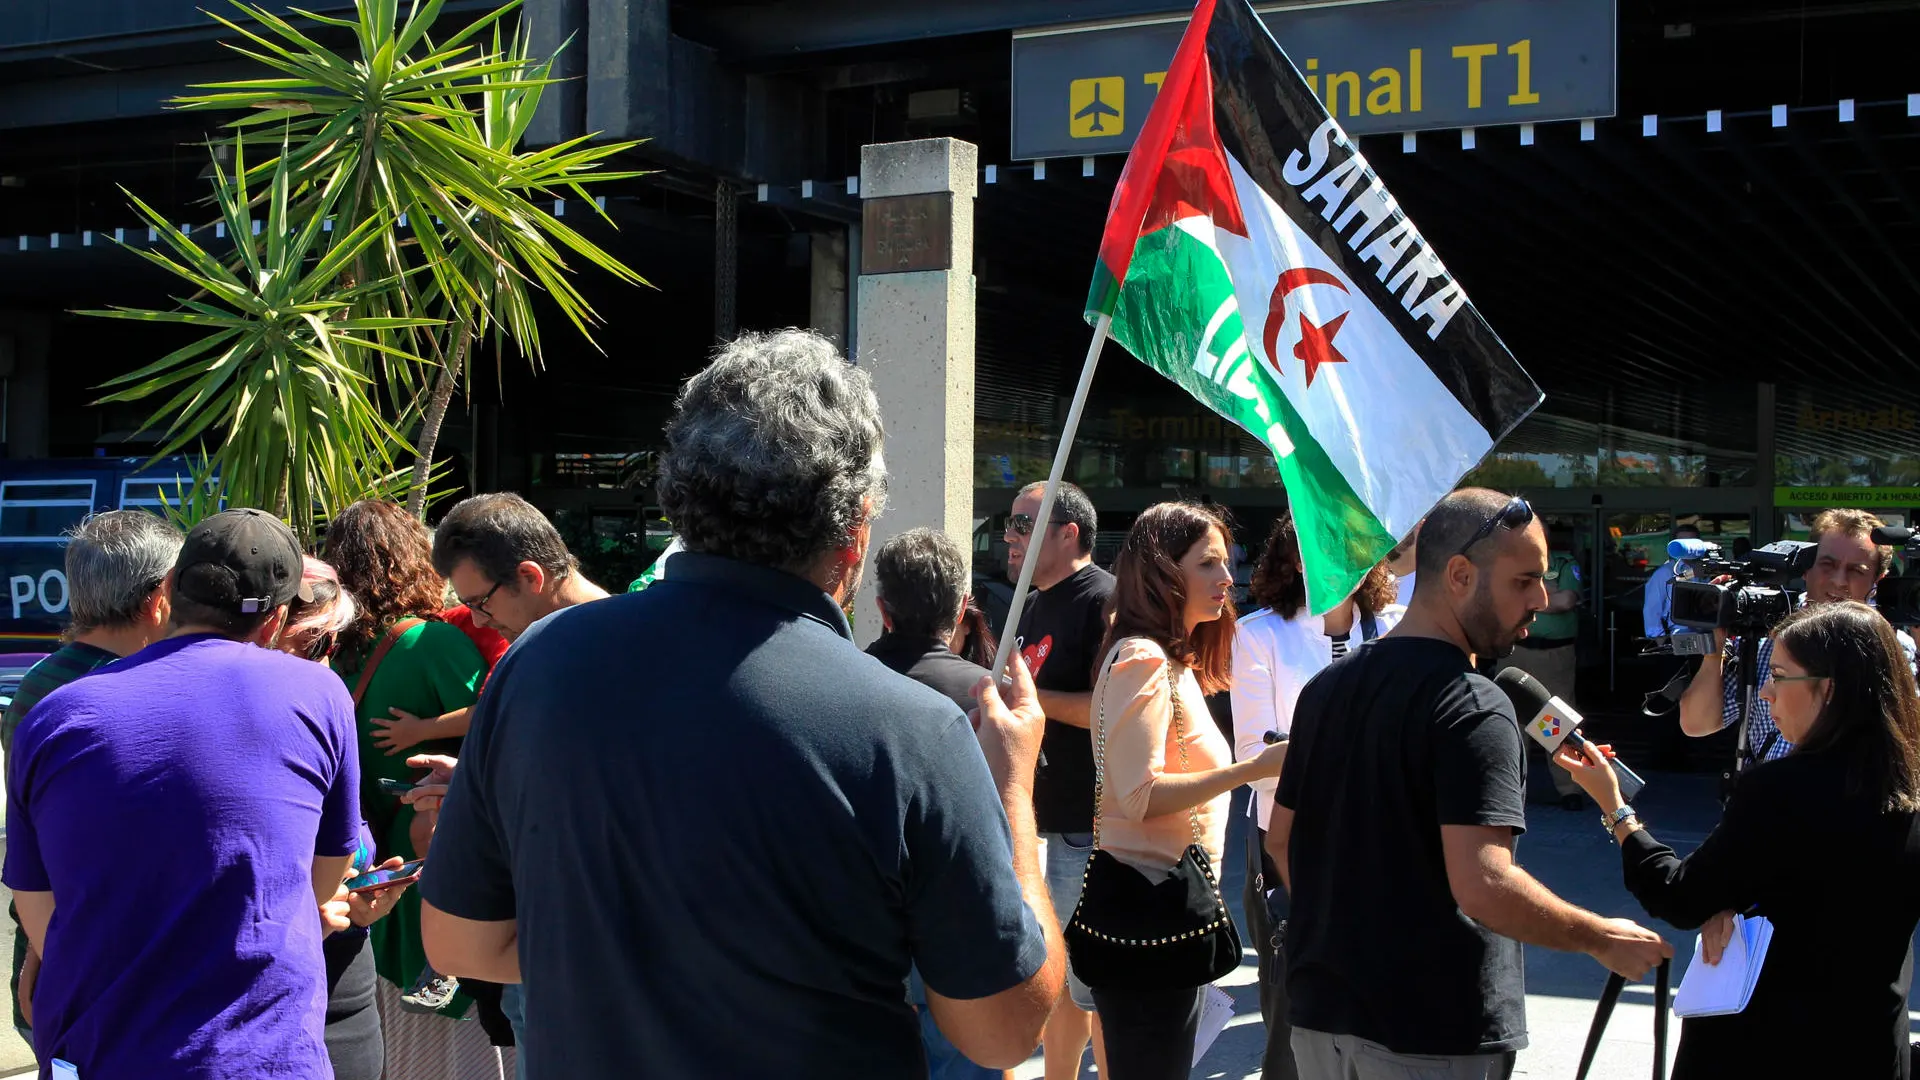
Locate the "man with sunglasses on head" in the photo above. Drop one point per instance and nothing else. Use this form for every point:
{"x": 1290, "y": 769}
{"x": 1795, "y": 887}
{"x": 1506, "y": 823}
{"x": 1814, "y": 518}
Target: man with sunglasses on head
{"x": 1403, "y": 795}
{"x": 1060, "y": 633}
{"x": 1847, "y": 566}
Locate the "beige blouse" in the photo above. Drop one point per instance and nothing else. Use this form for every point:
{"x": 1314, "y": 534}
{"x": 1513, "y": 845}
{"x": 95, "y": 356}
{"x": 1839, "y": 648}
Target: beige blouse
{"x": 1132, "y": 706}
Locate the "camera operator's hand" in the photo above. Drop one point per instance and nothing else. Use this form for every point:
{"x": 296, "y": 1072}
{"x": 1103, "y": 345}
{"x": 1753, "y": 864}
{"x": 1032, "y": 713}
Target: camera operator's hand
{"x": 1703, "y": 705}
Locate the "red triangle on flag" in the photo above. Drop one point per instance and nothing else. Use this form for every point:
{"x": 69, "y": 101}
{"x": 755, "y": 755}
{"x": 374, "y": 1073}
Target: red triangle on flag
{"x": 1177, "y": 167}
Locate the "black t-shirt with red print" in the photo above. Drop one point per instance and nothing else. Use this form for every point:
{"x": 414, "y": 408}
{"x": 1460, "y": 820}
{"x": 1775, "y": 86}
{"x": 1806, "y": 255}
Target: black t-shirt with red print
{"x": 1060, "y": 634}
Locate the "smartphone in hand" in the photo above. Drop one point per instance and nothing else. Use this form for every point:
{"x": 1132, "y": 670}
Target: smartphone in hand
{"x": 381, "y": 879}
{"x": 395, "y": 787}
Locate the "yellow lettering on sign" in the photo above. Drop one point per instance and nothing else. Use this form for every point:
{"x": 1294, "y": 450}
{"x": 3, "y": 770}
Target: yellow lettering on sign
{"x": 1155, "y": 78}
{"x": 1384, "y": 98}
{"x": 1522, "y": 52}
{"x": 1473, "y": 55}
{"x": 1097, "y": 107}
{"x": 1414, "y": 79}
{"x": 1350, "y": 80}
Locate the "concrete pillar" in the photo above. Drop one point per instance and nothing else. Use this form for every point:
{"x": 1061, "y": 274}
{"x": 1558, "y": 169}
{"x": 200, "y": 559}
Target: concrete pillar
{"x": 828, "y": 287}
{"x": 558, "y": 28}
{"x": 915, "y": 311}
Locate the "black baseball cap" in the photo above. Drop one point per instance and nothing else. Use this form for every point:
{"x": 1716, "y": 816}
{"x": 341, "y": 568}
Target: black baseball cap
{"x": 243, "y": 561}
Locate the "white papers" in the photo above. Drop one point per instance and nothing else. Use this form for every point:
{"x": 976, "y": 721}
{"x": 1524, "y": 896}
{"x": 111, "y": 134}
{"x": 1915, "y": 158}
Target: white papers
{"x": 1215, "y": 1011}
{"x": 1724, "y": 988}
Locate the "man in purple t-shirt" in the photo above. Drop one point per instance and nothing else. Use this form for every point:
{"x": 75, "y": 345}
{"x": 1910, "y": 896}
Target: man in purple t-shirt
{"x": 174, "y": 823}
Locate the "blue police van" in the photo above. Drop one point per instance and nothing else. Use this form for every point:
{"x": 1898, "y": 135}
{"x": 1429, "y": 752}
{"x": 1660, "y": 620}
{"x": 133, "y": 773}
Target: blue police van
{"x": 39, "y": 501}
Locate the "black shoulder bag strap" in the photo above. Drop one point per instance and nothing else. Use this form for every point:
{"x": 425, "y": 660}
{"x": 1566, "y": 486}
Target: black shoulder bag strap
{"x": 1611, "y": 997}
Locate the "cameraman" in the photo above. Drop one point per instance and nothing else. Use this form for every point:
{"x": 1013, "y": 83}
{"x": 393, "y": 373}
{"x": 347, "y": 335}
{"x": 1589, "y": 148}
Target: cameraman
{"x": 1847, "y": 566}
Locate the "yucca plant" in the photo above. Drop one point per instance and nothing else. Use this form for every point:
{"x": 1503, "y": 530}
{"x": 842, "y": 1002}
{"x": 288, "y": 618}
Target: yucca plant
{"x": 402, "y": 157}
{"x": 276, "y": 375}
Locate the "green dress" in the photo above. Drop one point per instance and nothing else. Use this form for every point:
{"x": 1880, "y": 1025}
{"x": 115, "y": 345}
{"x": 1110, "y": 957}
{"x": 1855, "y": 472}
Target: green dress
{"x": 432, "y": 670}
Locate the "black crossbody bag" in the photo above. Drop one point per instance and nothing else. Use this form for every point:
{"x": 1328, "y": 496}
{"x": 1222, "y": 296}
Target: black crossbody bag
{"x": 1130, "y": 932}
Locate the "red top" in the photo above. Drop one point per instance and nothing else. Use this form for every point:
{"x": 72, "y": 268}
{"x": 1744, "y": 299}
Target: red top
{"x": 491, "y": 643}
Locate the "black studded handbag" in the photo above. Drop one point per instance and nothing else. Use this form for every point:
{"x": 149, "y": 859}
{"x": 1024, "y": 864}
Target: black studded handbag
{"x": 1132, "y": 932}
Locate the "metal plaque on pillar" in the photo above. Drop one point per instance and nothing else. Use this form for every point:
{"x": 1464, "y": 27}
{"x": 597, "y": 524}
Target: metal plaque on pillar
{"x": 903, "y": 234}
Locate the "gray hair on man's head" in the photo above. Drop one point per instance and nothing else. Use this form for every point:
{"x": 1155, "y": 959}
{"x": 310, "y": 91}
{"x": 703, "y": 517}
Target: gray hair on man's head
{"x": 114, "y": 562}
{"x": 923, "y": 582}
{"x": 773, "y": 455}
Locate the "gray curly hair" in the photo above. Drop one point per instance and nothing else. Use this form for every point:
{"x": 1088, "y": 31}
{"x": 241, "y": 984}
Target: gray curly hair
{"x": 773, "y": 455}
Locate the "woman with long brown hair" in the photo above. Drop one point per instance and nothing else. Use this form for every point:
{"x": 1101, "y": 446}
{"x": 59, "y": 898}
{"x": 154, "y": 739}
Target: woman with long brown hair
{"x": 1164, "y": 770}
{"x": 399, "y": 656}
{"x": 973, "y": 640}
{"x": 1276, "y": 650}
{"x": 1824, "y": 842}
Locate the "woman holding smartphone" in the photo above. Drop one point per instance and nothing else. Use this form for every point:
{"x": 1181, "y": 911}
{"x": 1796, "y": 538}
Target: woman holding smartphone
{"x": 354, "y": 1042}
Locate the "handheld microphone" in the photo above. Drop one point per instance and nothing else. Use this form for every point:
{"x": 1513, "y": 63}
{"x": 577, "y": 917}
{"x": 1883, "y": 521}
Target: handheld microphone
{"x": 1554, "y": 722}
{"x": 1688, "y": 549}
{"x": 1891, "y": 536}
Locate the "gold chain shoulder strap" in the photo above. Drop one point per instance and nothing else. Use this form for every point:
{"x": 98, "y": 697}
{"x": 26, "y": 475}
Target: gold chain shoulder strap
{"x": 1174, "y": 673}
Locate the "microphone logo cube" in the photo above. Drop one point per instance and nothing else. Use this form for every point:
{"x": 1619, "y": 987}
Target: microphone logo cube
{"x": 1548, "y": 726}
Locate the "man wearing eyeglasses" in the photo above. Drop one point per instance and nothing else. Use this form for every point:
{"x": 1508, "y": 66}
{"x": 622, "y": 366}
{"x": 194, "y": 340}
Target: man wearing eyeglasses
{"x": 510, "y": 568}
{"x": 1847, "y": 566}
{"x": 507, "y": 563}
{"x": 1060, "y": 632}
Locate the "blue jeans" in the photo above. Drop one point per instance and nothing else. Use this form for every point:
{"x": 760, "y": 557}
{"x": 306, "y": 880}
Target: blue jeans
{"x": 514, "y": 1003}
{"x": 944, "y": 1060}
{"x": 1067, "y": 855}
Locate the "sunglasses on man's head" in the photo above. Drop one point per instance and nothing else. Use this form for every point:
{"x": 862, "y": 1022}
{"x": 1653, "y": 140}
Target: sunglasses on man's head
{"x": 1022, "y": 524}
{"x": 1515, "y": 515}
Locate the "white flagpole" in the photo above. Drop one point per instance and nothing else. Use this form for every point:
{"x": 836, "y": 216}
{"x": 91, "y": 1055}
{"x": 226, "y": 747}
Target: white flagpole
{"x": 1043, "y": 520}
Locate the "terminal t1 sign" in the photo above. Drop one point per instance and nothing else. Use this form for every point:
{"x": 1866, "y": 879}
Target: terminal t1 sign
{"x": 1385, "y": 66}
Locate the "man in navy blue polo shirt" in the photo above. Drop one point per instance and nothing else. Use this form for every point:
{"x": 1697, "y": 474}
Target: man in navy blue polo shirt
{"x": 709, "y": 834}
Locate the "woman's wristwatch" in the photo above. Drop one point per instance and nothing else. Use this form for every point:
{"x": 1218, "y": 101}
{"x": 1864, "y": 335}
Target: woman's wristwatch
{"x": 1614, "y": 820}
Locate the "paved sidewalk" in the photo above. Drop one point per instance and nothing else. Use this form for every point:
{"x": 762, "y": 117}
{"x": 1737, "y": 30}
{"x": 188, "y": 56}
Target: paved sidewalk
{"x": 16, "y": 1057}
{"x": 1568, "y": 852}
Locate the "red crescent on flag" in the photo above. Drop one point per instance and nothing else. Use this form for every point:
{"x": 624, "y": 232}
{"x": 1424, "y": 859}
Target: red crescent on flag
{"x": 1297, "y": 278}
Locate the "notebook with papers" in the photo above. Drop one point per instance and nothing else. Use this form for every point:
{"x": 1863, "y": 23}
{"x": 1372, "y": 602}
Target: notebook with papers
{"x": 1724, "y": 988}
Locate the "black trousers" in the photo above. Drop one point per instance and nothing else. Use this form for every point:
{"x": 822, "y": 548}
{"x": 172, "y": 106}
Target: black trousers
{"x": 1149, "y": 1034}
{"x": 354, "y": 1042}
{"x": 1267, "y": 927}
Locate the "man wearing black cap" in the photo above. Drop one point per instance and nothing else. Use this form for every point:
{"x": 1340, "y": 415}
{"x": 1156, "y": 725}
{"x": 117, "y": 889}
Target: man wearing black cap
{"x": 175, "y": 821}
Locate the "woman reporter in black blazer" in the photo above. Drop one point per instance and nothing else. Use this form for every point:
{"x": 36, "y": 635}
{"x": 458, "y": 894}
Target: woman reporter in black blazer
{"x": 1824, "y": 842}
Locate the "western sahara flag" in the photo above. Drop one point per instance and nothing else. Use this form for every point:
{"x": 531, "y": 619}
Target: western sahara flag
{"x": 1252, "y": 256}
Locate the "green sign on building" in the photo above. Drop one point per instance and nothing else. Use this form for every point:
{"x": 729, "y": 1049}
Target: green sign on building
{"x": 1868, "y": 497}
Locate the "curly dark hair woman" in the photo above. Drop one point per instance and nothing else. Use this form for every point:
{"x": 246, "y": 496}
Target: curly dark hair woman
{"x": 1278, "y": 583}
{"x": 384, "y": 557}
{"x": 414, "y": 677}
{"x": 1276, "y": 650}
